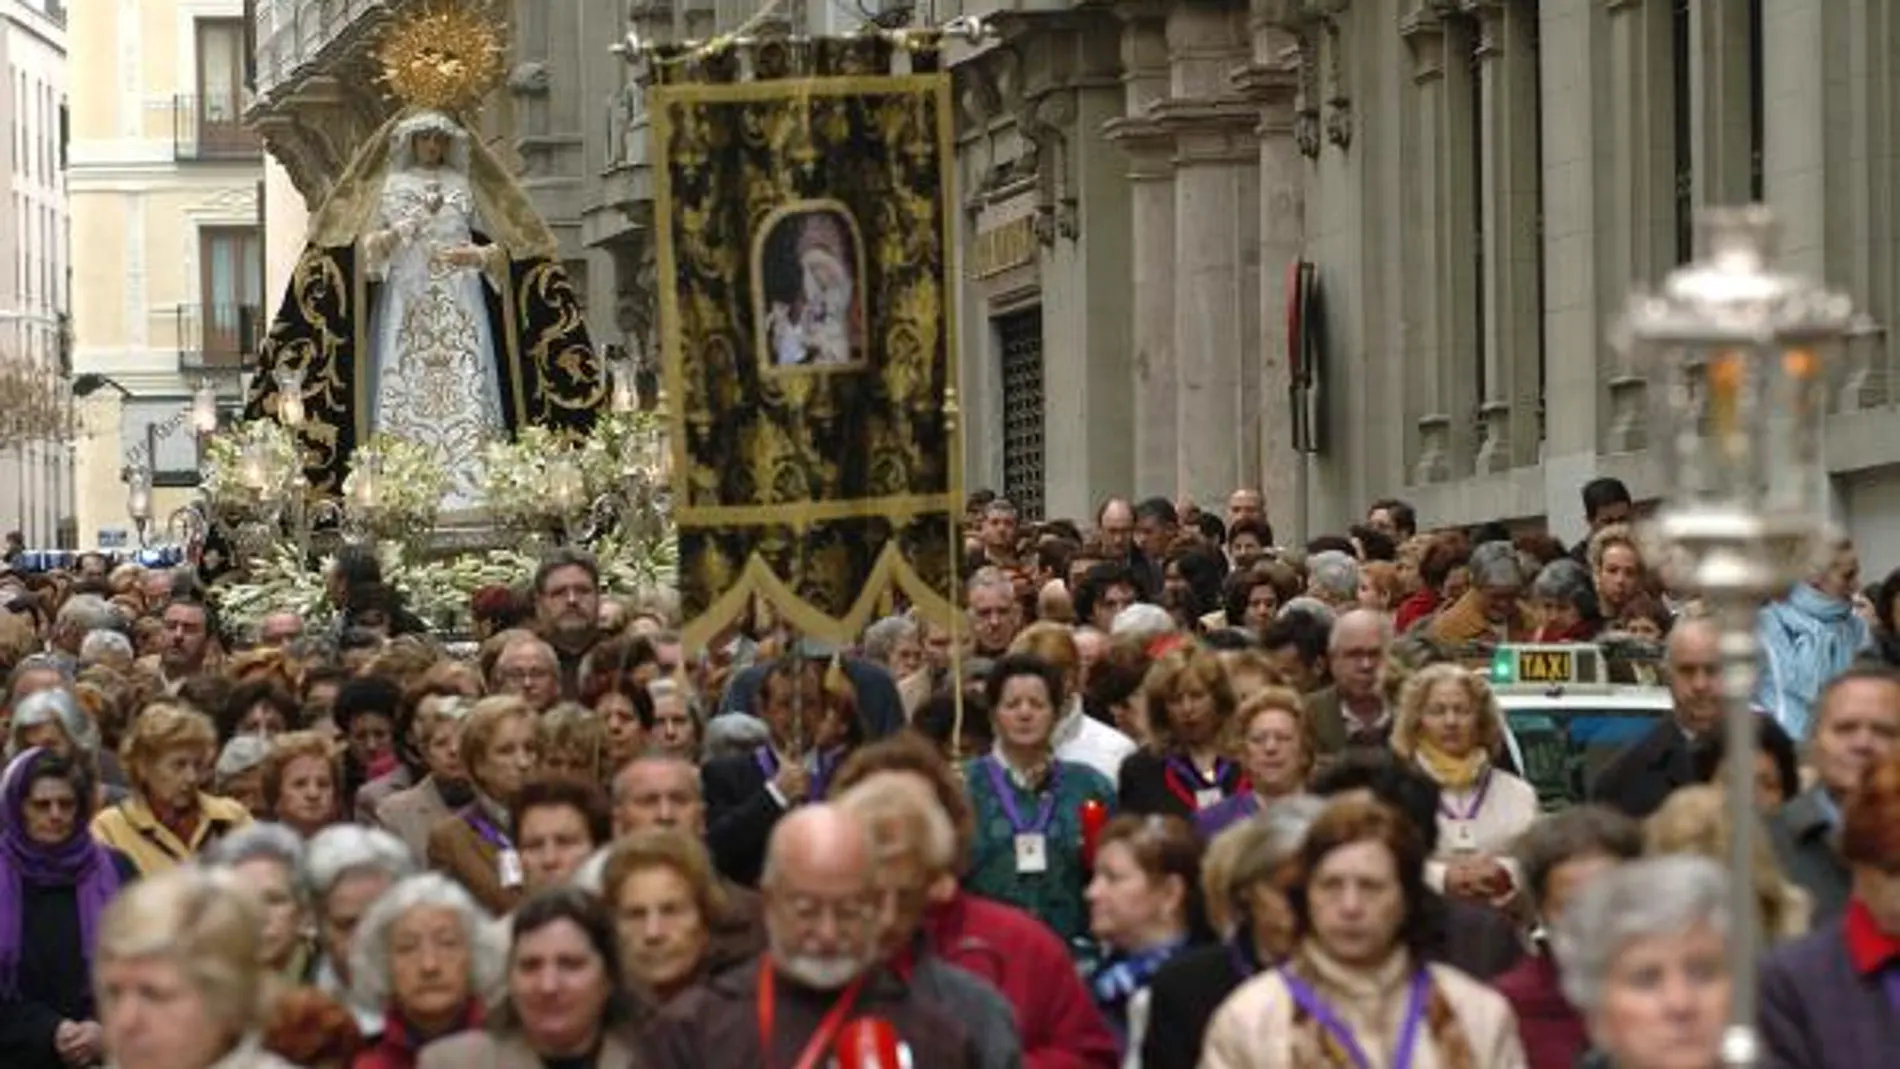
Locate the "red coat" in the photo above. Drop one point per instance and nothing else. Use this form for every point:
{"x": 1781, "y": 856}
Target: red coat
{"x": 1056, "y": 1017}
{"x": 1552, "y": 1031}
{"x": 399, "y": 1047}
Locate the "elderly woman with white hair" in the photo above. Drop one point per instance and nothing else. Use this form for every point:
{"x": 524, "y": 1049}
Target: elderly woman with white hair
{"x": 110, "y": 649}
{"x": 346, "y": 868}
{"x": 1332, "y": 576}
{"x": 268, "y": 859}
{"x": 1565, "y": 597}
{"x": 178, "y": 978}
{"x": 1641, "y": 949}
{"x": 429, "y": 955}
{"x": 53, "y": 720}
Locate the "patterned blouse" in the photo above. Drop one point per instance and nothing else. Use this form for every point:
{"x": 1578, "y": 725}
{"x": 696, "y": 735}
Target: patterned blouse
{"x": 1054, "y": 896}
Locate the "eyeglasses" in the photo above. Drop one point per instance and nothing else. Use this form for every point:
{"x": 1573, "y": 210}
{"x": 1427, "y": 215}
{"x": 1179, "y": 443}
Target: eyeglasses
{"x": 532, "y": 674}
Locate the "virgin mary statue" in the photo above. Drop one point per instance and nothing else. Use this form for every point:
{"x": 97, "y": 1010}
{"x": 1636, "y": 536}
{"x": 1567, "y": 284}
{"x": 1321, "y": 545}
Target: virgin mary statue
{"x": 427, "y": 305}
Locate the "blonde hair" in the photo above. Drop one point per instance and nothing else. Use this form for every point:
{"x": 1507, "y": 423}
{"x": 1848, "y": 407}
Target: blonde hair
{"x": 1286, "y": 700}
{"x": 571, "y": 727}
{"x": 294, "y": 746}
{"x": 203, "y": 923}
{"x": 902, "y": 812}
{"x": 1164, "y": 683}
{"x": 484, "y": 721}
{"x": 160, "y": 728}
{"x": 1418, "y": 687}
{"x": 1695, "y": 820}
{"x": 1054, "y": 643}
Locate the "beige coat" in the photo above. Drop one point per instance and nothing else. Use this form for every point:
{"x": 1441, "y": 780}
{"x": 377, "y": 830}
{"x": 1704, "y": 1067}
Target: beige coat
{"x": 1253, "y": 1028}
{"x": 1510, "y": 806}
{"x": 486, "y": 1050}
{"x": 411, "y": 814}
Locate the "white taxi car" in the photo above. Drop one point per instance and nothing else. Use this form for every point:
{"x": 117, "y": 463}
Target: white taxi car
{"x": 1565, "y": 717}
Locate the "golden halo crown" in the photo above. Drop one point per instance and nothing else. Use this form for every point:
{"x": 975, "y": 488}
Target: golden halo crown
{"x": 445, "y": 56}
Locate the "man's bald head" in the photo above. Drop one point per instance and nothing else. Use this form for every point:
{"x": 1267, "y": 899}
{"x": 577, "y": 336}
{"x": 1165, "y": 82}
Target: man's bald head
{"x": 1695, "y": 674}
{"x": 818, "y": 849}
{"x": 1361, "y": 626}
{"x": 822, "y": 914}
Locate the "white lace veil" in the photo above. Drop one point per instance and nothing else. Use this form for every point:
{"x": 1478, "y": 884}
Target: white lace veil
{"x": 402, "y": 140}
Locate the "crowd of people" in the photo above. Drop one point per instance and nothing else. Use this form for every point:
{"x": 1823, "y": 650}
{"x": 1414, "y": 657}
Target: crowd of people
{"x": 1168, "y": 794}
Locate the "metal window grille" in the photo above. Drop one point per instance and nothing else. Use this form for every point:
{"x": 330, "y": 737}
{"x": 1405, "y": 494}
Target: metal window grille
{"x": 1020, "y": 334}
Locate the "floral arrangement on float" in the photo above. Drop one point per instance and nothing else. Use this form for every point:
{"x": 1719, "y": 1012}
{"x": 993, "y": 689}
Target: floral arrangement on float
{"x": 251, "y": 466}
{"x": 394, "y": 490}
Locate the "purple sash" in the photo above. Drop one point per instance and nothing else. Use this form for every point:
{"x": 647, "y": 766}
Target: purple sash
{"x": 1006, "y": 794}
{"x": 490, "y": 834}
{"x": 1309, "y": 1000}
{"x": 820, "y": 779}
{"x": 1477, "y": 800}
{"x": 1891, "y": 981}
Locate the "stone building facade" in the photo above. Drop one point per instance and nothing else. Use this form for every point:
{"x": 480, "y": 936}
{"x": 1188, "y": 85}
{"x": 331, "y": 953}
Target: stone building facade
{"x": 1476, "y": 186}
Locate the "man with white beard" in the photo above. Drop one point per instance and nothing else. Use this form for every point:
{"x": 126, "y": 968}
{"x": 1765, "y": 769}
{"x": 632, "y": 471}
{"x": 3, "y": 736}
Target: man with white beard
{"x": 823, "y": 919}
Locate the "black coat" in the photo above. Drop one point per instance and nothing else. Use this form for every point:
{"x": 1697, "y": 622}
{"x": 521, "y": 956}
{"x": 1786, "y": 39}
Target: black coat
{"x": 55, "y": 983}
{"x": 1144, "y": 786}
{"x": 1639, "y": 779}
{"x": 740, "y": 816}
{"x": 1803, "y": 835}
{"x": 880, "y": 707}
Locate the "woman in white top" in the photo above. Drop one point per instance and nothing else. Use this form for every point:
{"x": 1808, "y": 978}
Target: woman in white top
{"x": 1450, "y": 726}
{"x": 1357, "y": 992}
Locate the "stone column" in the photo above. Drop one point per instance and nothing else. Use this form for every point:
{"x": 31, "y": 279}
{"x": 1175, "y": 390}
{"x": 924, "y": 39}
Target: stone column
{"x": 1640, "y": 178}
{"x": 1216, "y": 187}
{"x": 1511, "y": 183}
{"x": 1272, "y": 82}
{"x": 1151, "y": 259}
{"x": 1423, "y": 225}
{"x": 1721, "y": 149}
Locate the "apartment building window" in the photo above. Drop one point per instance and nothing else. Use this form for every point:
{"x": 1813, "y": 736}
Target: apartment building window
{"x": 1019, "y": 337}
{"x": 1680, "y": 42}
{"x": 232, "y": 285}
{"x": 219, "y": 109}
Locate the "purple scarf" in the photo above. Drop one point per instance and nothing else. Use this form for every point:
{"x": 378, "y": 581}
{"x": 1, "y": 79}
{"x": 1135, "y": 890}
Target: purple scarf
{"x": 79, "y": 862}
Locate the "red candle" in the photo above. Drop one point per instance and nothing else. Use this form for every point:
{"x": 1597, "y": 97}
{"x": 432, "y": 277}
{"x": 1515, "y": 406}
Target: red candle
{"x": 1094, "y": 817}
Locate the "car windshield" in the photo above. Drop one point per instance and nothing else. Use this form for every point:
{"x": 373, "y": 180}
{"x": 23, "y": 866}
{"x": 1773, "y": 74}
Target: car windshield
{"x": 1561, "y": 750}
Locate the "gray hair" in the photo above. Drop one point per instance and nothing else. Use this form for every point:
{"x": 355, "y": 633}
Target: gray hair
{"x": 1566, "y": 581}
{"x": 55, "y": 706}
{"x": 259, "y": 842}
{"x": 242, "y": 754}
{"x": 1141, "y": 618}
{"x": 1320, "y": 612}
{"x": 1351, "y": 618}
{"x": 1265, "y": 843}
{"x": 1578, "y": 832}
{"x": 344, "y": 850}
{"x": 1334, "y": 573}
{"x": 987, "y": 577}
{"x": 1496, "y": 564}
{"x": 88, "y": 612}
{"x": 1646, "y": 899}
{"x": 882, "y": 637}
{"x": 735, "y": 733}
{"x": 370, "y": 983}
{"x": 101, "y": 644}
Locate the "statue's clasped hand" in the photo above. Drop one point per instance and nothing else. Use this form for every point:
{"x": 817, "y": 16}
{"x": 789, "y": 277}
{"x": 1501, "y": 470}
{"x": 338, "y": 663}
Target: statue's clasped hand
{"x": 460, "y": 256}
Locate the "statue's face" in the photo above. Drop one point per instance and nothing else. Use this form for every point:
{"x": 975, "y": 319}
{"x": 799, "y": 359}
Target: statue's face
{"x": 430, "y": 148}
{"x": 827, "y": 284}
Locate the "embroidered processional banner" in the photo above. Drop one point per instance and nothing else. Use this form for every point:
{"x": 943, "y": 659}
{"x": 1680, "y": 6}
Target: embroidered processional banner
{"x": 804, "y": 248}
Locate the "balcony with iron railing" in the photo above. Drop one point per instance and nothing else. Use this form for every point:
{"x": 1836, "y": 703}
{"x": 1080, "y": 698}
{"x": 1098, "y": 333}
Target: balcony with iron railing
{"x": 218, "y": 338}
{"x": 212, "y": 128}
{"x": 292, "y": 34}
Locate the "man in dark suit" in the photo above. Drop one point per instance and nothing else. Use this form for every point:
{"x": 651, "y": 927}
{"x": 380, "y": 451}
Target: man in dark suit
{"x": 1351, "y": 714}
{"x": 1856, "y": 724}
{"x": 1654, "y": 766}
{"x": 747, "y": 793}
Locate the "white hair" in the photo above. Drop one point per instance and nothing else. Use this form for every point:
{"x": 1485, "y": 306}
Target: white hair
{"x": 882, "y": 637}
{"x": 240, "y": 755}
{"x": 370, "y": 982}
{"x": 735, "y": 733}
{"x": 896, "y": 795}
{"x": 1354, "y": 617}
{"x": 344, "y": 850}
{"x": 1647, "y": 899}
{"x": 1334, "y": 572}
{"x": 86, "y": 613}
{"x": 261, "y": 841}
{"x": 1142, "y": 618}
{"x": 56, "y": 706}
{"x": 101, "y": 644}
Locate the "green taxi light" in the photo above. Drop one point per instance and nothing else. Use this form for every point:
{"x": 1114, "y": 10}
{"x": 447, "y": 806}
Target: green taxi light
{"x": 1504, "y": 666}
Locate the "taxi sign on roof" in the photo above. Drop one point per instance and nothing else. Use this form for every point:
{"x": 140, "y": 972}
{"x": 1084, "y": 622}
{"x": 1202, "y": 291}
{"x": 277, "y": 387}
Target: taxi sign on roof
{"x": 1545, "y": 666}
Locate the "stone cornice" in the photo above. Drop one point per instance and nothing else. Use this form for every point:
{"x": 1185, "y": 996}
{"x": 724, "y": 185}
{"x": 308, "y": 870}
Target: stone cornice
{"x": 1210, "y": 129}
{"x": 1266, "y": 83}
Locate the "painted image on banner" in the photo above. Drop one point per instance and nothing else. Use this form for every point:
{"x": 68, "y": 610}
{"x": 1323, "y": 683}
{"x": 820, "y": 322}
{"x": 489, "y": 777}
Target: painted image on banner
{"x": 807, "y": 283}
